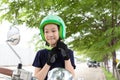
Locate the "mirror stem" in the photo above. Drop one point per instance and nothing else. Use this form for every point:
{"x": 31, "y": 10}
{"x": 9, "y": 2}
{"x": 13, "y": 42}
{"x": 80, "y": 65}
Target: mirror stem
{"x": 14, "y": 52}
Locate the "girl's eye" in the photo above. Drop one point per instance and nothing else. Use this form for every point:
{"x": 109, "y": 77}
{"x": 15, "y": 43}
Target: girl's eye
{"x": 46, "y": 31}
{"x": 53, "y": 30}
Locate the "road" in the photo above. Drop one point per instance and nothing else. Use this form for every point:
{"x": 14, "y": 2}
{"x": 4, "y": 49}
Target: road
{"x": 83, "y": 72}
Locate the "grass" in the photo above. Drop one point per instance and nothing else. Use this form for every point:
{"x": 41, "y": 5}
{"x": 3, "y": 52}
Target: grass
{"x": 108, "y": 75}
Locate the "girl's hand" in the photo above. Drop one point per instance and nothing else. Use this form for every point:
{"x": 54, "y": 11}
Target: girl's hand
{"x": 52, "y": 56}
{"x": 64, "y": 50}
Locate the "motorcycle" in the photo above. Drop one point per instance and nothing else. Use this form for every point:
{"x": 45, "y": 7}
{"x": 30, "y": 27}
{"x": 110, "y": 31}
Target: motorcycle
{"x": 13, "y": 38}
{"x": 59, "y": 74}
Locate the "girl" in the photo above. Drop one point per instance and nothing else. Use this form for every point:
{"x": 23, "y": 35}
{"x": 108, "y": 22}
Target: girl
{"x": 52, "y": 30}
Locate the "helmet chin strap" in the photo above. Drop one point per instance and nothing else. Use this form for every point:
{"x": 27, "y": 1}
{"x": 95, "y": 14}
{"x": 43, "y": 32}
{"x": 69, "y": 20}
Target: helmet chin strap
{"x": 47, "y": 44}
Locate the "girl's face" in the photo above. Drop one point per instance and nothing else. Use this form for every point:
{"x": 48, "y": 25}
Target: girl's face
{"x": 51, "y": 33}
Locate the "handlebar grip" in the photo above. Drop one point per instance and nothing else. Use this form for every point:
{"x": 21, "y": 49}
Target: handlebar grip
{"x": 6, "y": 71}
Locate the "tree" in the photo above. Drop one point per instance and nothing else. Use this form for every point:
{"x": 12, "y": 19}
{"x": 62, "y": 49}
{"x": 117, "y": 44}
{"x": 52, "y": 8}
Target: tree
{"x": 94, "y": 25}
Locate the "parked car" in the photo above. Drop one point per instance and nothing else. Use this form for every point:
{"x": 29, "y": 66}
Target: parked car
{"x": 92, "y": 64}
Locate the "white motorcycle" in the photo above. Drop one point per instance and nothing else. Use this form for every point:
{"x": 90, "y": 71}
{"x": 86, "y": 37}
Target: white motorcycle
{"x": 13, "y": 38}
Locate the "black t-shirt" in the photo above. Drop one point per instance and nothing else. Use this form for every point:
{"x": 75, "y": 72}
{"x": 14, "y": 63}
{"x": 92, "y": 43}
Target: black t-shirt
{"x": 41, "y": 58}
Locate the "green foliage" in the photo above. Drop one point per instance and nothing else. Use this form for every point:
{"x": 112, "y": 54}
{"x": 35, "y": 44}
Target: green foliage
{"x": 97, "y": 21}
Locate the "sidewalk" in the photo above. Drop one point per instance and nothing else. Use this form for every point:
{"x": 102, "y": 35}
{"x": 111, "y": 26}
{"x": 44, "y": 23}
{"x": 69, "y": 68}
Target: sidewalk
{"x": 83, "y": 72}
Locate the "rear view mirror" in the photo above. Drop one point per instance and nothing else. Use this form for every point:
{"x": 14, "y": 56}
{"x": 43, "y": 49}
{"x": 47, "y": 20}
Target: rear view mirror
{"x": 13, "y": 36}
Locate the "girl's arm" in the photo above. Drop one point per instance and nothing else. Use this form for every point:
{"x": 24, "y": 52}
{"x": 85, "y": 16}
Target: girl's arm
{"x": 69, "y": 67}
{"x": 41, "y": 73}
{"x": 6, "y": 71}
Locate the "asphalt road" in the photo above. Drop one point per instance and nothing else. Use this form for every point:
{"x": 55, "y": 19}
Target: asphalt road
{"x": 83, "y": 72}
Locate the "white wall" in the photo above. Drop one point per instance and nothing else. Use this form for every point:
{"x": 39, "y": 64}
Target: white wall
{"x": 7, "y": 56}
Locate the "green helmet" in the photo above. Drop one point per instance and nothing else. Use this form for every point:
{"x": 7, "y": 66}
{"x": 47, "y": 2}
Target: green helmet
{"x": 55, "y": 20}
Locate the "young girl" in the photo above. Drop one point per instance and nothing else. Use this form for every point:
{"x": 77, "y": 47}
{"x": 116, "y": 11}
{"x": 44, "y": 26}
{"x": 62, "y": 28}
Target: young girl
{"x": 52, "y": 30}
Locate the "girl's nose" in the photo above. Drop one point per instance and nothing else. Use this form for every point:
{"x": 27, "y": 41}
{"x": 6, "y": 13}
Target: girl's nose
{"x": 50, "y": 34}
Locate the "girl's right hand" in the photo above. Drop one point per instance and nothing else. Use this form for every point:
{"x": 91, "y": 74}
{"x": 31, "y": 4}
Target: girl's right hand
{"x": 52, "y": 56}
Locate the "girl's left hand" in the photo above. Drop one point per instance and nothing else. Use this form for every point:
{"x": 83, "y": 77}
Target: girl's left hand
{"x": 64, "y": 50}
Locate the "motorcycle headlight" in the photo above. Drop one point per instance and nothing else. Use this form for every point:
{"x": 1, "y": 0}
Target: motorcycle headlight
{"x": 59, "y": 74}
